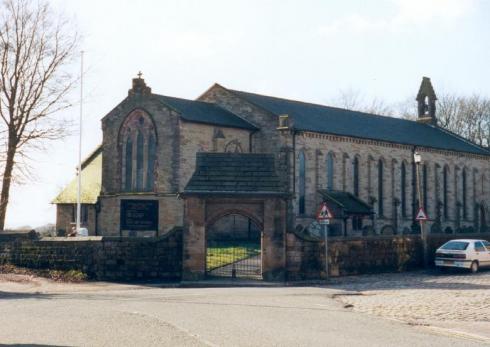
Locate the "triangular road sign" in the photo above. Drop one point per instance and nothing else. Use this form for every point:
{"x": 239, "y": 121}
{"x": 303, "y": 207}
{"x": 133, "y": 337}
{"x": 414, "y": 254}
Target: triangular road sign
{"x": 323, "y": 212}
{"x": 421, "y": 215}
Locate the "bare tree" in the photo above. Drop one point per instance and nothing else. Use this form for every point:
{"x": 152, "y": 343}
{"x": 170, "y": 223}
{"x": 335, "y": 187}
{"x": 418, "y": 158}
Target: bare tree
{"x": 352, "y": 99}
{"x": 466, "y": 116}
{"x": 36, "y": 48}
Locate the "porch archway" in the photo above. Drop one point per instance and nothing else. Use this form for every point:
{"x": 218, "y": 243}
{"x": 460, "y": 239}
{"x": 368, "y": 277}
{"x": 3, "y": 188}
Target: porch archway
{"x": 225, "y": 184}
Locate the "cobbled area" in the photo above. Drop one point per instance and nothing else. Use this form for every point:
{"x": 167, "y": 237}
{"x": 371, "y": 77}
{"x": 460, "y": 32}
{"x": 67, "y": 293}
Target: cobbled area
{"x": 422, "y": 297}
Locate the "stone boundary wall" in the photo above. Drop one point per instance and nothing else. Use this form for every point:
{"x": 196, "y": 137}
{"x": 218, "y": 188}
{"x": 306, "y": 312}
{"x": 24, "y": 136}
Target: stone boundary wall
{"x": 101, "y": 258}
{"x": 360, "y": 255}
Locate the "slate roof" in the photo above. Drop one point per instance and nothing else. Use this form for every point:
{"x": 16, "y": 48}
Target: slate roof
{"x": 205, "y": 112}
{"x": 91, "y": 182}
{"x": 337, "y": 121}
{"x": 234, "y": 173}
{"x": 349, "y": 203}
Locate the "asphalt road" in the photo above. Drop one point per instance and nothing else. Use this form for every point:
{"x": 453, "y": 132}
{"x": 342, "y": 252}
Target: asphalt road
{"x": 99, "y": 314}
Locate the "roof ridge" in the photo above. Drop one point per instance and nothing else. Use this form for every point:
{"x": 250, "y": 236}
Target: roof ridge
{"x": 89, "y": 158}
{"x": 322, "y": 105}
{"x": 167, "y": 101}
{"x": 191, "y": 100}
{"x": 461, "y": 138}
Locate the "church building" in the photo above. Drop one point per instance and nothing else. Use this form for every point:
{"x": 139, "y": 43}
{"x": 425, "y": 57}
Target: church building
{"x": 362, "y": 165}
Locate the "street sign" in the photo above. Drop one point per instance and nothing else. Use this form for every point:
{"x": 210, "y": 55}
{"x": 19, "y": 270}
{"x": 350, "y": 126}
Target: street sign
{"x": 323, "y": 216}
{"x": 324, "y": 213}
{"x": 421, "y": 215}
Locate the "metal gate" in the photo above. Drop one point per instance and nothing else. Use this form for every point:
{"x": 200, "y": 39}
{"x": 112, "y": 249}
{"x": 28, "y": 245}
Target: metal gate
{"x": 234, "y": 249}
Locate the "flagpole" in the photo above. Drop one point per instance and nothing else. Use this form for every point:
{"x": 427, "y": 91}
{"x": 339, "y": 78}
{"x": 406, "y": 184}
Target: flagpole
{"x": 79, "y": 169}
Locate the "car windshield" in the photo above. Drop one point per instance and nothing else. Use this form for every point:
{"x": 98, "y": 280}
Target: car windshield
{"x": 455, "y": 245}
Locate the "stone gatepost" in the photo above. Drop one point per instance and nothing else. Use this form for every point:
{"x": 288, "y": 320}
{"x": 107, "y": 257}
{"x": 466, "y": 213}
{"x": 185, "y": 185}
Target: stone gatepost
{"x": 194, "y": 240}
{"x": 274, "y": 240}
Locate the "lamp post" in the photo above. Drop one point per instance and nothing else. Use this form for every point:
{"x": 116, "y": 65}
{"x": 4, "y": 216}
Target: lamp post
{"x": 417, "y": 158}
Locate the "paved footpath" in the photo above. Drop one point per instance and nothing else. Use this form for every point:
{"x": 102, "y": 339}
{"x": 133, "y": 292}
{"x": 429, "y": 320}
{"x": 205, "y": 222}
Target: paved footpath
{"x": 459, "y": 301}
{"x": 37, "y": 311}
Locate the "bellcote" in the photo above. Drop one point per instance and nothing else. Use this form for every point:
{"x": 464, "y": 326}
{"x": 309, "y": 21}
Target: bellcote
{"x": 139, "y": 87}
{"x": 426, "y": 100}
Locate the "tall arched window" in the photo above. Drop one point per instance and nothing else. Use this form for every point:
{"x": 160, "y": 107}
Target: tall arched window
{"x": 150, "y": 172}
{"x": 355, "y": 172}
{"x": 380, "y": 187}
{"x": 465, "y": 194}
{"x": 330, "y": 170}
{"x": 128, "y": 167}
{"x": 138, "y": 144}
{"x": 302, "y": 182}
{"x": 445, "y": 183}
{"x": 403, "y": 189}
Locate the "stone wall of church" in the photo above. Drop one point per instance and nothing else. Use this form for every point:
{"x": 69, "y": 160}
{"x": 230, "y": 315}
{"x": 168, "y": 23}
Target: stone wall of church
{"x": 266, "y": 139}
{"x": 170, "y": 214}
{"x": 167, "y": 164}
{"x": 197, "y": 137}
{"x": 166, "y": 122}
{"x": 65, "y": 218}
{"x": 317, "y": 146}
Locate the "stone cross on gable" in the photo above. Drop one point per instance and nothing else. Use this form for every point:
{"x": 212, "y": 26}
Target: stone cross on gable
{"x": 139, "y": 86}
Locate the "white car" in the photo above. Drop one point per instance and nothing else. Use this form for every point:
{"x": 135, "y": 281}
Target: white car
{"x": 464, "y": 253}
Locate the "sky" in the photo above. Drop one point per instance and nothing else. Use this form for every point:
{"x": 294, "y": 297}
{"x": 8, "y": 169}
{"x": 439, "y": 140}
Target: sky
{"x": 306, "y": 50}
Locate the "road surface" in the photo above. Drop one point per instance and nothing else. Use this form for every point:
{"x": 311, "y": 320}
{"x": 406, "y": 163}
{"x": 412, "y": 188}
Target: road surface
{"x": 37, "y": 311}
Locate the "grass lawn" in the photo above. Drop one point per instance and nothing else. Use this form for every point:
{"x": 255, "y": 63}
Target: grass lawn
{"x": 226, "y": 253}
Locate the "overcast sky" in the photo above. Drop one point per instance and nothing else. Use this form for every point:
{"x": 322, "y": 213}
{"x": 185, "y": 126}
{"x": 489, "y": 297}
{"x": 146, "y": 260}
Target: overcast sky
{"x": 307, "y": 50}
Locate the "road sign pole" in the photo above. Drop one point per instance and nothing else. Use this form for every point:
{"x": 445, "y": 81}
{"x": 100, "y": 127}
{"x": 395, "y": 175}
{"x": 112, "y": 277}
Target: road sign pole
{"x": 423, "y": 234}
{"x": 324, "y": 216}
{"x": 325, "y": 236}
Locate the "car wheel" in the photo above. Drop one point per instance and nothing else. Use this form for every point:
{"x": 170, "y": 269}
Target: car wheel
{"x": 474, "y": 267}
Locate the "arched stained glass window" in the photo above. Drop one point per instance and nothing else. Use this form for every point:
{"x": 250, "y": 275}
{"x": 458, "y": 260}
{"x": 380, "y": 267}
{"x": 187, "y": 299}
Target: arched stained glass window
{"x": 150, "y": 173}
{"x": 140, "y": 143}
{"x": 302, "y": 182}
{"x": 128, "y": 167}
{"x": 330, "y": 170}
{"x": 355, "y": 169}
{"x": 137, "y": 141}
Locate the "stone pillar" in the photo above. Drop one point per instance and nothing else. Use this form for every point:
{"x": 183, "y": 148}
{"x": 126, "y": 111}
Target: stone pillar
{"x": 274, "y": 240}
{"x": 194, "y": 240}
